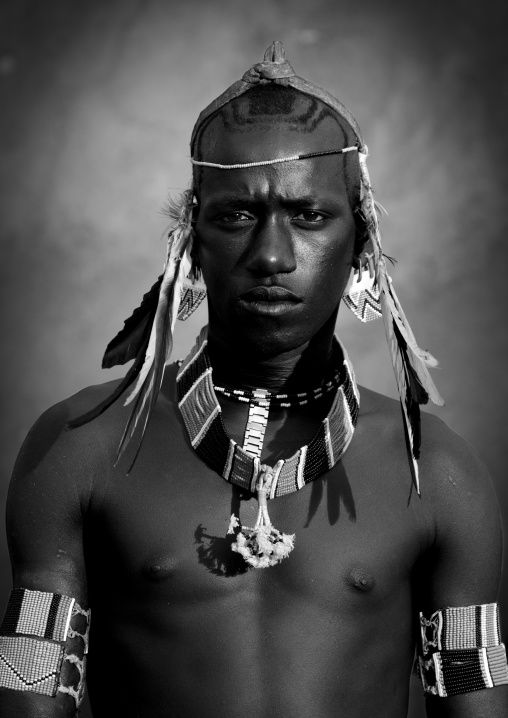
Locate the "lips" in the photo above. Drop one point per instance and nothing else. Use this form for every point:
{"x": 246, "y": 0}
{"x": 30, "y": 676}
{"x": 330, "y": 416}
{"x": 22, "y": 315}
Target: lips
{"x": 269, "y": 301}
{"x": 270, "y": 294}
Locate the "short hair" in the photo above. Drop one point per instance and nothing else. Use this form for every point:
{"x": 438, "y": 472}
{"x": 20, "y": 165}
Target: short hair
{"x": 265, "y": 105}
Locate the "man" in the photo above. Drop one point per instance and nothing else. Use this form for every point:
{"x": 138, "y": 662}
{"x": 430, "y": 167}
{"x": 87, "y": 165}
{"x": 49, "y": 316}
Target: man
{"x": 294, "y": 588}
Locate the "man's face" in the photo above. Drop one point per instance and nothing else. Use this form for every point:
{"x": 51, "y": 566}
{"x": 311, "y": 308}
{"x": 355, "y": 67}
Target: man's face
{"x": 275, "y": 243}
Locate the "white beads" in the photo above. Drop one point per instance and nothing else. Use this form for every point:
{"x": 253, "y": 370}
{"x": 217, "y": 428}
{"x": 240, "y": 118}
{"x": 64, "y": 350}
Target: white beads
{"x": 291, "y": 158}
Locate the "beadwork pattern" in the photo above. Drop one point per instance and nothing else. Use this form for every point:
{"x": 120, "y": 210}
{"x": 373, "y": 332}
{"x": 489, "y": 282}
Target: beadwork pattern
{"x": 39, "y": 664}
{"x": 201, "y": 413}
{"x": 280, "y": 400}
{"x": 190, "y": 299}
{"x": 363, "y": 297}
{"x": 278, "y": 160}
{"x": 37, "y": 613}
{"x": 364, "y": 304}
{"x": 256, "y": 424}
{"x": 77, "y": 656}
{"x": 461, "y": 650}
{"x": 28, "y": 664}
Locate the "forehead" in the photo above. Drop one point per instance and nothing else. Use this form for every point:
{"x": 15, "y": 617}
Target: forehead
{"x": 262, "y": 142}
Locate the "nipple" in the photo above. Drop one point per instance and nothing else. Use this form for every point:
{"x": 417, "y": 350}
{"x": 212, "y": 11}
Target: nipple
{"x": 159, "y": 569}
{"x": 361, "y": 579}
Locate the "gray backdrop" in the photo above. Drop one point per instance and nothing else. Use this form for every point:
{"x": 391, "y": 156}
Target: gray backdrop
{"x": 98, "y": 100}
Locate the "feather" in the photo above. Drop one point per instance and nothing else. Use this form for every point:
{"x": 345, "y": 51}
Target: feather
{"x": 127, "y": 343}
{"x": 419, "y": 358}
{"x": 148, "y": 385}
{"x": 160, "y": 344}
{"x": 172, "y": 208}
{"x": 414, "y": 383}
{"x": 408, "y": 392}
{"x": 129, "y": 379}
{"x": 147, "y": 335}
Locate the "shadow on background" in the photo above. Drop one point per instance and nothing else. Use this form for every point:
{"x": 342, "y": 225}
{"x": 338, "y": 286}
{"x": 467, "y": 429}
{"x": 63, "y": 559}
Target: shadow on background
{"x": 98, "y": 103}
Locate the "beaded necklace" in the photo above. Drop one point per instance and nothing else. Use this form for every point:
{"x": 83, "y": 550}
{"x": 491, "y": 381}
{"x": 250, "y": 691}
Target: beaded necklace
{"x": 283, "y": 400}
{"x": 260, "y": 402}
{"x": 262, "y": 545}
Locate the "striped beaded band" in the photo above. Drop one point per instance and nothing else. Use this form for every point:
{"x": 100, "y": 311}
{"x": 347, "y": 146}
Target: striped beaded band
{"x": 282, "y": 400}
{"x": 51, "y": 659}
{"x": 37, "y": 613}
{"x": 291, "y": 158}
{"x": 461, "y": 650}
{"x": 256, "y": 424}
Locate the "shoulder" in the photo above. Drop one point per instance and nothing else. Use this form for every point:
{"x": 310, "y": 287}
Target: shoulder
{"x": 69, "y": 461}
{"x": 95, "y": 443}
{"x": 51, "y": 433}
{"x": 380, "y": 423}
{"x": 446, "y": 458}
{"x": 456, "y": 483}
{"x": 462, "y": 540}
{"x": 453, "y": 477}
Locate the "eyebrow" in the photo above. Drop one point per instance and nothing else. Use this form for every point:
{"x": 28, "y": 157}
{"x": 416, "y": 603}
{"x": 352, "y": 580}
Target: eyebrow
{"x": 228, "y": 201}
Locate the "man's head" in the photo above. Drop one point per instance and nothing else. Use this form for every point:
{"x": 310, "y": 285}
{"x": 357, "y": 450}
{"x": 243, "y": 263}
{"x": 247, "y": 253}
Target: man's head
{"x": 289, "y": 225}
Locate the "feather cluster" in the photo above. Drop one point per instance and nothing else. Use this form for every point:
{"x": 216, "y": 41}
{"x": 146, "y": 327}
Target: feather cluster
{"x": 147, "y": 335}
{"x": 130, "y": 343}
{"x": 410, "y": 362}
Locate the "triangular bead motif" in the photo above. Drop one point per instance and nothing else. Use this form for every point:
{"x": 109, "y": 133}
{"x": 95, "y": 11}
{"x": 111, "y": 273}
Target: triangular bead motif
{"x": 191, "y": 298}
{"x": 363, "y": 298}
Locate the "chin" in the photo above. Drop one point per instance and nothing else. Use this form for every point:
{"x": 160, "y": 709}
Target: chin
{"x": 267, "y": 339}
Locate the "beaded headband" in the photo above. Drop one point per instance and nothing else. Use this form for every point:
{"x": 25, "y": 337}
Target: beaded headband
{"x": 147, "y": 336}
{"x": 291, "y": 158}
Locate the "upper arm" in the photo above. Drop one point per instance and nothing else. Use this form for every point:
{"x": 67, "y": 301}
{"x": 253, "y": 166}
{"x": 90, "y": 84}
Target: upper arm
{"x": 465, "y": 559}
{"x": 48, "y": 500}
{"x": 463, "y": 566}
{"x": 46, "y": 505}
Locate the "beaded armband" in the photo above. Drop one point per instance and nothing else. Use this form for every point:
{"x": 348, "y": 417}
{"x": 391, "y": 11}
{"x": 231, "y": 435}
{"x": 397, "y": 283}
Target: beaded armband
{"x": 44, "y": 644}
{"x": 461, "y": 651}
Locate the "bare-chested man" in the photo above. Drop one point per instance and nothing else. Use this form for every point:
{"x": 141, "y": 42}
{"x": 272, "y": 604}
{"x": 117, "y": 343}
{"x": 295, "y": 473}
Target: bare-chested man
{"x": 184, "y": 624}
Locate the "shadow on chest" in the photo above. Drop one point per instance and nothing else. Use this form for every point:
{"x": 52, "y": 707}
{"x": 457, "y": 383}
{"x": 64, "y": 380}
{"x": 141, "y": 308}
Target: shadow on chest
{"x": 170, "y": 541}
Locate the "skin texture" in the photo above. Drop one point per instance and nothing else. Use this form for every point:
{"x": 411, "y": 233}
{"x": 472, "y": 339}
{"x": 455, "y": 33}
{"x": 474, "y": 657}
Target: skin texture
{"x": 180, "y": 627}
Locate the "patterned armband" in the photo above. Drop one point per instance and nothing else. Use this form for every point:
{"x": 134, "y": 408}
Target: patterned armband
{"x": 461, "y": 650}
{"x": 44, "y": 644}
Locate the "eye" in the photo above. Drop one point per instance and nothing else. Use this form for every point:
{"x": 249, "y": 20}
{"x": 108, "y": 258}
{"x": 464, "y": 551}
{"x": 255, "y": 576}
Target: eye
{"x": 310, "y": 215}
{"x": 234, "y": 217}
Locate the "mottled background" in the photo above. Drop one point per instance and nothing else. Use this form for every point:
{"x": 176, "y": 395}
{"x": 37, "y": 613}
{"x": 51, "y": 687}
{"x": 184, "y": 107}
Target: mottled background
{"x": 98, "y": 99}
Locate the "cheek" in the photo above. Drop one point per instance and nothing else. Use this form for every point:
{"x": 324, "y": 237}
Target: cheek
{"x": 332, "y": 282}
{"x": 330, "y": 264}
{"x": 217, "y": 263}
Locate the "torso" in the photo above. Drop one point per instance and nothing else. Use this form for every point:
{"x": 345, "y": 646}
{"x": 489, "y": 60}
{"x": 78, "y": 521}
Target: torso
{"x": 181, "y": 627}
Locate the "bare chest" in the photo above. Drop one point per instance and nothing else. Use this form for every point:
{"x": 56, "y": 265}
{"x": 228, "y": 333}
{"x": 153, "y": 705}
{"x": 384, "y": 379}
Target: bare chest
{"x": 161, "y": 535}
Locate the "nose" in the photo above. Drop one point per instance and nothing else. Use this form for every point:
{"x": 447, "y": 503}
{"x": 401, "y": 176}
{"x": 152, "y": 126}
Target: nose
{"x": 271, "y": 250}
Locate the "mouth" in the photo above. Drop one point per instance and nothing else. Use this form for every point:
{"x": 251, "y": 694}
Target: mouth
{"x": 269, "y": 301}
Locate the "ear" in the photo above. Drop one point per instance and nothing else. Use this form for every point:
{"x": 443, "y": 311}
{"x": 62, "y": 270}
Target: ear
{"x": 195, "y": 210}
{"x": 194, "y": 219}
{"x": 362, "y": 234}
{"x": 363, "y": 245}
{"x": 194, "y": 253}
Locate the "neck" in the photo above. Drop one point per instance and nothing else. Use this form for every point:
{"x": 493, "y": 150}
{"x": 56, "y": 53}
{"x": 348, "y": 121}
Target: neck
{"x": 294, "y": 370}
